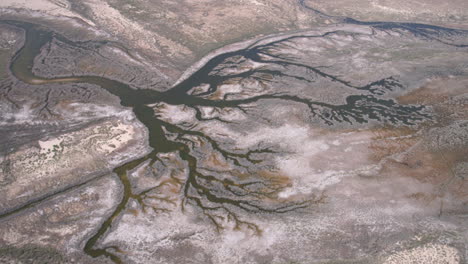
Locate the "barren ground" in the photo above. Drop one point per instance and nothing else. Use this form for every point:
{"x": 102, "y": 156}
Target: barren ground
{"x": 233, "y": 131}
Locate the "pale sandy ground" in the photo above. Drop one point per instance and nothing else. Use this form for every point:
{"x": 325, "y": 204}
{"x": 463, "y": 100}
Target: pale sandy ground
{"x": 431, "y": 253}
{"x": 55, "y": 162}
{"x": 449, "y": 13}
{"x": 52, "y": 8}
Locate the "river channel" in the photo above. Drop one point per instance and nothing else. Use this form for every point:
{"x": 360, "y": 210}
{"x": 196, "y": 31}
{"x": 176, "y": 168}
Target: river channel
{"x": 359, "y": 108}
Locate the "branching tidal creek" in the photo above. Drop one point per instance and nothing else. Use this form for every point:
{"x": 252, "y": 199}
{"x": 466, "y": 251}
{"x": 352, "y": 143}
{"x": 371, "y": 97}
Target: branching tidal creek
{"x": 215, "y": 197}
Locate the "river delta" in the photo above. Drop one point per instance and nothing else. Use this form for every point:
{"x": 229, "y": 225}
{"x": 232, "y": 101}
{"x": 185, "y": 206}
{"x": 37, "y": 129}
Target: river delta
{"x": 298, "y": 133}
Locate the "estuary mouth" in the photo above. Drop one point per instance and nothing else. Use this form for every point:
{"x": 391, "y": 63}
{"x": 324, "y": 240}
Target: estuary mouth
{"x": 349, "y": 131}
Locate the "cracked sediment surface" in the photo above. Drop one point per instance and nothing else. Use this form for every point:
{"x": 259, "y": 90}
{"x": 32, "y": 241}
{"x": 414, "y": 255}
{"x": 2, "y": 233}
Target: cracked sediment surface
{"x": 346, "y": 143}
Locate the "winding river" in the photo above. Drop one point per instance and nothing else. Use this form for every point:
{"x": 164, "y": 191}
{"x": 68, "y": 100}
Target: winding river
{"x": 359, "y": 108}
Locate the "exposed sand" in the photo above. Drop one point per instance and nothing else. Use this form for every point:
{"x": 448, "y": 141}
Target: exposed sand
{"x": 431, "y": 253}
{"x": 50, "y": 7}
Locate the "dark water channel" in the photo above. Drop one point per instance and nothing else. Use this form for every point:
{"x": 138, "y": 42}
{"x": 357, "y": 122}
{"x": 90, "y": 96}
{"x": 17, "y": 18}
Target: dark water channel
{"x": 21, "y": 67}
{"x": 359, "y": 108}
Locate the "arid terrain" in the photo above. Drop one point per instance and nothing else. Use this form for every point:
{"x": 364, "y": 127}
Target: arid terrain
{"x": 240, "y": 131}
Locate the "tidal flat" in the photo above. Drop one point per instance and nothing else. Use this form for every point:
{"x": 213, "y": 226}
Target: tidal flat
{"x": 312, "y": 137}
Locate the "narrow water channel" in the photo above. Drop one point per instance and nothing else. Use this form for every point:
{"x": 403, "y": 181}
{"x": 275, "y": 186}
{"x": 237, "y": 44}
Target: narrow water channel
{"x": 359, "y": 108}
{"x": 21, "y": 67}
